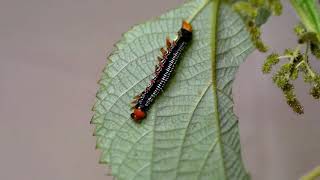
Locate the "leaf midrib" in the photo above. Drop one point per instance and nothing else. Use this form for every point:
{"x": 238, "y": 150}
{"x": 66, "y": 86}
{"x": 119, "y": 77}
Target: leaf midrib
{"x": 214, "y": 40}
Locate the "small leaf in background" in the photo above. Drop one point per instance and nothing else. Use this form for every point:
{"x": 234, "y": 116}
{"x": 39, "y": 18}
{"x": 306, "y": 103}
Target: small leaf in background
{"x": 191, "y": 131}
{"x": 255, "y": 13}
{"x": 308, "y": 32}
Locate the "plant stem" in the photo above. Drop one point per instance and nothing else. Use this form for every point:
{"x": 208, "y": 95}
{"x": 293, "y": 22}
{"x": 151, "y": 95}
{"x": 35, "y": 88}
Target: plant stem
{"x": 214, "y": 41}
{"x": 308, "y": 13}
{"x": 306, "y": 62}
{"x": 312, "y": 175}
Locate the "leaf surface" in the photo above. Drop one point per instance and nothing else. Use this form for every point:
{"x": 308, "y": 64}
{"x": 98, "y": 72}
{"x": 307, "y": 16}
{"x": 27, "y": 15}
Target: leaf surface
{"x": 191, "y": 132}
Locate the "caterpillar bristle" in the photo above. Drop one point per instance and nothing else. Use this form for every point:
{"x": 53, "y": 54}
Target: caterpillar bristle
{"x": 161, "y": 64}
{"x": 168, "y": 42}
{"x": 159, "y": 59}
{"x": 134, "y": 101}
{"x": 174, "y": 43}
{"x": 157, "y": 72}
{"x": 163, "y": 51}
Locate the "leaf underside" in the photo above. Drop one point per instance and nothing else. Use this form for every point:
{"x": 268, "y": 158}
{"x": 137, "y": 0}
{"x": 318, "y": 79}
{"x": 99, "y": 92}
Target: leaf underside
{"x": 183, "y": 136}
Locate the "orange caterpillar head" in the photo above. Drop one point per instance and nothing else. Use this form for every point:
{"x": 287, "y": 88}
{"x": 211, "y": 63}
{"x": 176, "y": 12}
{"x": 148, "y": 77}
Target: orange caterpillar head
{"x": 138, "y": 115}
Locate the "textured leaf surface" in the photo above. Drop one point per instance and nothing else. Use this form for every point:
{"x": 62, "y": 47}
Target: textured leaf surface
{"x": 191, "y": 131}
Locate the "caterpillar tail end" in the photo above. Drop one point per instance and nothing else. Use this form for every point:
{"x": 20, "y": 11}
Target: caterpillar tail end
{"x": 138, "y": 114}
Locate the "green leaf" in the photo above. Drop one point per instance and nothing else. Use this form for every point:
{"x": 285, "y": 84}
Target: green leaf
{"x": 191, "y": 131}
{"x": 263, "y": 16}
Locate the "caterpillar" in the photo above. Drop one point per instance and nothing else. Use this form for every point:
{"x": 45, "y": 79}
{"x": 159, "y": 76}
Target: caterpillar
{"x": 163, "y": 71}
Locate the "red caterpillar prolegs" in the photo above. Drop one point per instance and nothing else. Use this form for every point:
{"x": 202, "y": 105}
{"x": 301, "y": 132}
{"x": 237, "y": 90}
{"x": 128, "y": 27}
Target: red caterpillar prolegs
{"x": 163, "y": 72}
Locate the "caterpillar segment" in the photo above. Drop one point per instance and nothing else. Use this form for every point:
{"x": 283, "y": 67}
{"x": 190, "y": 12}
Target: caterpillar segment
{"x": 163, "y": 72}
